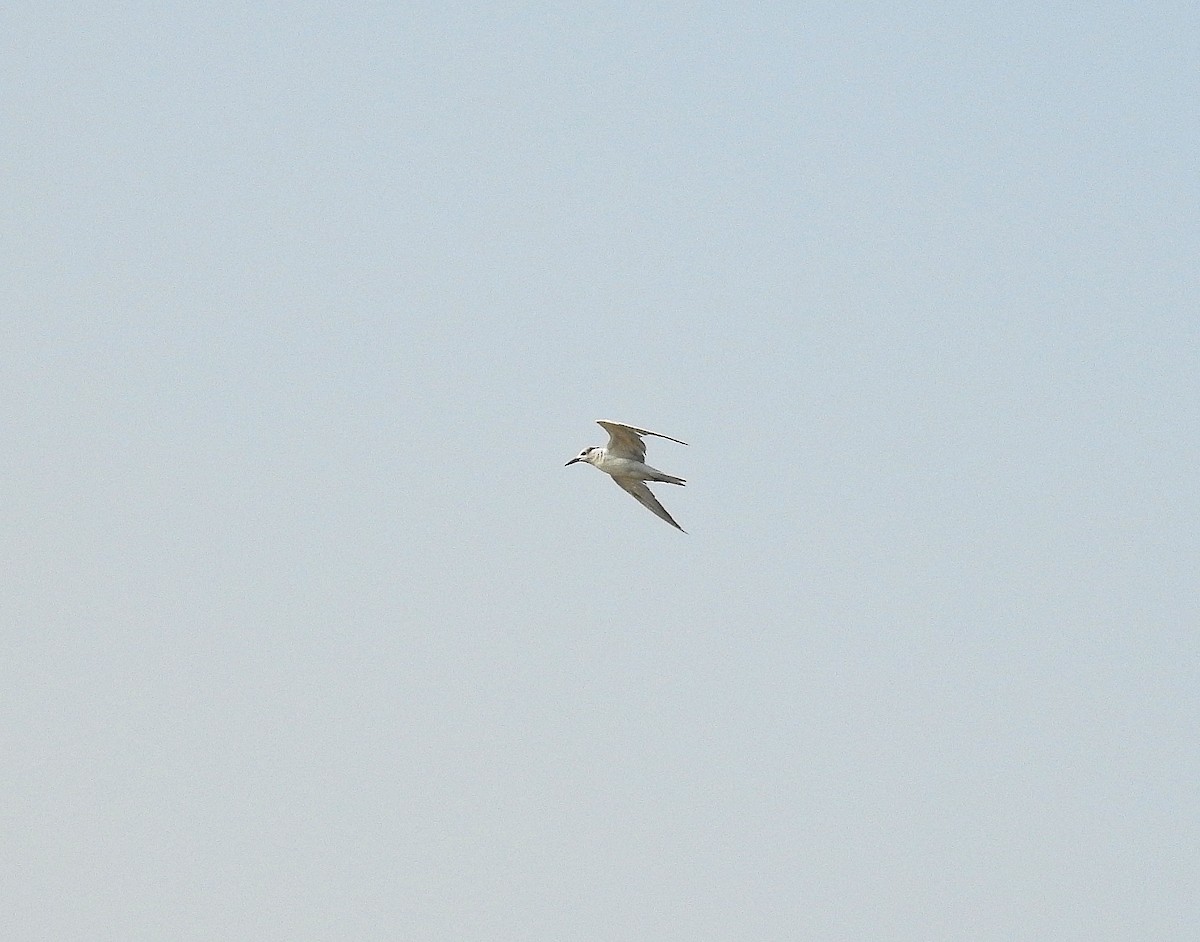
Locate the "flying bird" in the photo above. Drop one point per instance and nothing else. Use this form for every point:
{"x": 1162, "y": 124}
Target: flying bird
{"x": 624, "y": 460}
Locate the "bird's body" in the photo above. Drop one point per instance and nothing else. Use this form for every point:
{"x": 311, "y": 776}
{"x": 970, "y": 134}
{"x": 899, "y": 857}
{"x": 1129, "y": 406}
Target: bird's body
{"x": 624, "y": 460}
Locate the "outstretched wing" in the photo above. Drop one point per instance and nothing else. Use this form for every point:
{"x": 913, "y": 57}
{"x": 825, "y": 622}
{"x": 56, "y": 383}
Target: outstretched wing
{"x": 625, "y": 441}
{"x": 643, "y": 496}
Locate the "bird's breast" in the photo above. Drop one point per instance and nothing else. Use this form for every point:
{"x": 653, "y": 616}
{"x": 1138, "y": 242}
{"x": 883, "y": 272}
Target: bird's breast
{"x": 624, "y": 467}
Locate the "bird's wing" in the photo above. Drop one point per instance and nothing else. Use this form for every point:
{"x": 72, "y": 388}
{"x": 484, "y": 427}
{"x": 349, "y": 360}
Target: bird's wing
{"x": 625, "y": 441}
{"x": 643, "y": 496}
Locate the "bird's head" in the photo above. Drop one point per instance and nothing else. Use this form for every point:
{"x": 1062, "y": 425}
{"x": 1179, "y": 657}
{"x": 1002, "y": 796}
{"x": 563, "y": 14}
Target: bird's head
{"x": 588, "y": 454}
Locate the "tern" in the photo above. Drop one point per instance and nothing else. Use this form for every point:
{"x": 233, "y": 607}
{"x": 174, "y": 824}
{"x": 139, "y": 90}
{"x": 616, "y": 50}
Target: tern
{"x": 624, "y": 460}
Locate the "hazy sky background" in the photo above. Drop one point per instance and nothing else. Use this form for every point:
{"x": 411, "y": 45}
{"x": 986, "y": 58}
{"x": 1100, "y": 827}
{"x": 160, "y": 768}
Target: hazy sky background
{"x": 307, "y": 632}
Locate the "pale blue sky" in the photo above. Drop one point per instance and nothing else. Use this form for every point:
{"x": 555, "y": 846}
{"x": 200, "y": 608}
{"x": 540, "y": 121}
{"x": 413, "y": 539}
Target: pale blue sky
{"x": 309, "y": 635}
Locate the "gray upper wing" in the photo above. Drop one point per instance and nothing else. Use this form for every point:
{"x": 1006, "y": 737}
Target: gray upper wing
{"x": 625, "y": 441}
